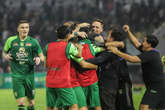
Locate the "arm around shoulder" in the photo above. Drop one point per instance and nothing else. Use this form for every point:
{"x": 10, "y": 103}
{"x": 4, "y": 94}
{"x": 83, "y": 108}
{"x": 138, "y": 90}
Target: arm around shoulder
{"x": 127, "y": 57}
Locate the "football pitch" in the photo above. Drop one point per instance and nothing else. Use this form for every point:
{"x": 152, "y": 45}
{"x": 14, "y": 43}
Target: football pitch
{"x": 7, "y": 101}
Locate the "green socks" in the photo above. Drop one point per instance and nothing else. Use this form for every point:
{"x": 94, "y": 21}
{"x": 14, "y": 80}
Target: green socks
{"x": 21, "y": 107}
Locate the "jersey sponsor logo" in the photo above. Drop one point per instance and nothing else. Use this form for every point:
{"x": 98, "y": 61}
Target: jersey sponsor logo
{"x": 15, "y": 44}
{"x": 28, "y": 44}
{"x": 22, "y": 55}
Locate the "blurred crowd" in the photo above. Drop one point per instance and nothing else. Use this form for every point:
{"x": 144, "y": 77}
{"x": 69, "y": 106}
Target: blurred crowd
{"x": 142, "y": 16}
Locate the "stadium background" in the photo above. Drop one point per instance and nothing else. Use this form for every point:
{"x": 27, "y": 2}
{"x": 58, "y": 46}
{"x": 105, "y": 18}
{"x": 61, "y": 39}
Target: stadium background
{"x": 143, "y": 16}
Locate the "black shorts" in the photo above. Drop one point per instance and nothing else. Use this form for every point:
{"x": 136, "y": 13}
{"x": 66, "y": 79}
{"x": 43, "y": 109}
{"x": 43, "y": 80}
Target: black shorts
{"x": 155, "y": 99}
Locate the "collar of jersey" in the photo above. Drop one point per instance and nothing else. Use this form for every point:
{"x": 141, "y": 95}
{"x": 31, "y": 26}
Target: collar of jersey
{"x": 85, "y": 41}
{"x": 23, "y": 40}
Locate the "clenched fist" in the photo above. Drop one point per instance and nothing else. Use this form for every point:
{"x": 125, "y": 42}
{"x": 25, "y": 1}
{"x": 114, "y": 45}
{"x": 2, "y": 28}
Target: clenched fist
{"x": 126, "y": 28}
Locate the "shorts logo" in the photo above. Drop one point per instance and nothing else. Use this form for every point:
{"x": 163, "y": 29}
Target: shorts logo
{"x": 28, "y": 44}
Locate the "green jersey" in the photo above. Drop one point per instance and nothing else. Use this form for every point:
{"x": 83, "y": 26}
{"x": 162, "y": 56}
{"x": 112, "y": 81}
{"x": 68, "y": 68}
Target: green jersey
{"x": 93, "y": 48}
{"x": 22, "y": 52}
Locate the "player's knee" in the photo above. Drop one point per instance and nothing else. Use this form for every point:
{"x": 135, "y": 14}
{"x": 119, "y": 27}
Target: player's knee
{"x": 98, "y": 108}
{"x": 83, "y": 108}
{"x": 20, "y": 101}
{"x": 144, "y": 107}
{"x": 74, "y": 107}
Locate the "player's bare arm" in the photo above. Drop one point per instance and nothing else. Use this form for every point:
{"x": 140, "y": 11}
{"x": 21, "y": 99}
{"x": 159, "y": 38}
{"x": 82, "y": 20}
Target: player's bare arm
{"x": 133, "y": 39}
{"x": 133, "y": 59}
{"x": 7, "y": 56}
{"x": 115, "y": 44}
{"x": 81, "y": 34}
{"x": 39, "y": 58}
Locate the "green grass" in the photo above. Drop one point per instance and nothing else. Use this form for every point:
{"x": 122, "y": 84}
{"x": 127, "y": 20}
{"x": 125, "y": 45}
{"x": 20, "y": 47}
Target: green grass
{"x": 137, "y": 95}
{"x": 8, "y": 102}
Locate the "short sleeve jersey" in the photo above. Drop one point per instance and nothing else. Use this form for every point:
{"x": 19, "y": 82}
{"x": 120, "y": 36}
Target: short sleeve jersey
{"x": 23, "y": 52}
{"x": 152, "y": 69}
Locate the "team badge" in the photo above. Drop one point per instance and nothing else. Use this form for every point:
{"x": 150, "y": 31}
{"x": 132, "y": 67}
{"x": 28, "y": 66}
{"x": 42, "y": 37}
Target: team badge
{"x": 21, "y": 50}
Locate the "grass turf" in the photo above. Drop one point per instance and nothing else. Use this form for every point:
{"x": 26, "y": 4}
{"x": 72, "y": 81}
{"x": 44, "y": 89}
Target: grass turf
{"x": 8, "y": 102}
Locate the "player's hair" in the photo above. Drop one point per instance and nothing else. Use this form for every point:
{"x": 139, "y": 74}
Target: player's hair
{"x": 98, "y": 20}
{"x": 117, "y": 34}
{"x": 22, "y": 21}
{"x": 63, "y": 30}
{"x": 151, "y": 39}
{"x": 115, "y": 27}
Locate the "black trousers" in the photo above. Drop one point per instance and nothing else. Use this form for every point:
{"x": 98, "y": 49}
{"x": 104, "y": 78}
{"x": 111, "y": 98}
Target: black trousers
{"x": 108, "y": 98}
{"x": 124, "y": 99}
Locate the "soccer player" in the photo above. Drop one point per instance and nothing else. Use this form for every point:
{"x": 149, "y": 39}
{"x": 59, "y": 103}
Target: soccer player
{"x": 60, "y": 93}
{"x": 152, "y": 69}
{"x": 88, "y": 79}
{"x": 82, "y": 104}
{"x": 22, "y": 52}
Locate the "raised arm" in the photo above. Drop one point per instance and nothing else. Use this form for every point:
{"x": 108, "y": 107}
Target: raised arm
{"x": 133, "y": 39}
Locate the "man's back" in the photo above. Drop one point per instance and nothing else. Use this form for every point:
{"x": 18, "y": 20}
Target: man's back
{"x": 58, "y": 65}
